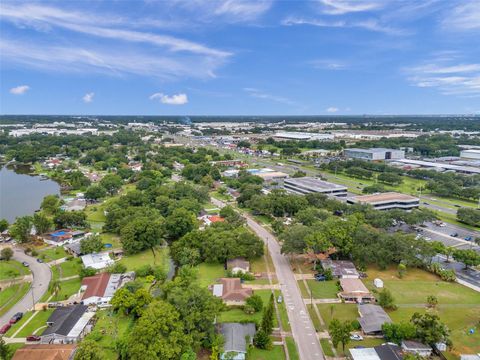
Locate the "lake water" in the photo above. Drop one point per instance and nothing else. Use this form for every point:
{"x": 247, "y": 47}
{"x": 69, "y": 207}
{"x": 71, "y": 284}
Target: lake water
{"x": 22, "y": 194}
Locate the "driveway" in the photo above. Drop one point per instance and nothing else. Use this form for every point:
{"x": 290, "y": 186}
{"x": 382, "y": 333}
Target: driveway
{"x": 303, "y": 330}
{"x": 41, "y": 278}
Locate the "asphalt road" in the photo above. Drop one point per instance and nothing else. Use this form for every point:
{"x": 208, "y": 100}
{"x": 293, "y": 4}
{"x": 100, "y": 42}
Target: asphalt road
{"x": 41, "y": 278}
{"x": 303, "y": 330}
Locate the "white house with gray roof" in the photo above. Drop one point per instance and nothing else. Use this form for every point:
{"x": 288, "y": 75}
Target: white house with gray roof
{"x": 237, "y": 338}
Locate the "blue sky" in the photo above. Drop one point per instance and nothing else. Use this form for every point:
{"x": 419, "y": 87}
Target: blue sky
{"x": 240, "y": 57}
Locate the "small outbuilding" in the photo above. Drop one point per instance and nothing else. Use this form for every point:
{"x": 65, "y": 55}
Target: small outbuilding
{"x": 378, "y": 283}
{"x": 238, "y": 265}
{"x": 416, "y": 347}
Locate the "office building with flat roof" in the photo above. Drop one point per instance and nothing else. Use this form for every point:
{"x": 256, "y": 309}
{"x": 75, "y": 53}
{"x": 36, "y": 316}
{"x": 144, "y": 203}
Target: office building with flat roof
{"x": 307, "y": 185}
{"x": 387, "y": 201}
{"x": 374, "y": 154}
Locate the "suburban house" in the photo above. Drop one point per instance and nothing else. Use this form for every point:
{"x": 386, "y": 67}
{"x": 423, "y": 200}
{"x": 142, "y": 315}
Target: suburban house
{"x": 371, "y": 319}
{"x": 68, "y": 325}
{"x": 77, "y": 204}
{"x": 63, "y": 236}
{"x": 97, "y": 260}
{"x": 211, "y": 219}
{"x": 100, "y": 288}
{"x": 381, "y": 352}
{"x": 231, "y": 291}
{"x": 73, "y": 248}
{"x": 238, "y": 265}
{"x": 237, "y": 338}
{"x": 45, "y": 352}
{"x": 341, "y": 269}
{"x": 416, "y": 347}
{"x": 353, "y": 290}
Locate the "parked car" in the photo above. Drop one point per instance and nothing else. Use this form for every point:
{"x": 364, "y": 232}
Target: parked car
{"x": 33, "y": 338}
{"x": 356, "y": 337}
{"x": 468, "y": 238}
{"x": 320, "y": 277}
{"x": 280, "y": 299}
{"x": 454, "y": 235}
{"x": 25, "y": 264}
{"x": 39, "y": 260}
{"x": 5, "y": 328}
{"x": 362, "y": 275}
{"x": 16, "y": 317}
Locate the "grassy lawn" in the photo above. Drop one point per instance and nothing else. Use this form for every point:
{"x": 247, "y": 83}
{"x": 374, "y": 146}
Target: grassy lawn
{"x": 275, "y": 354}
{"x": 292, "y": 349}
{"x": 95, "y": 213}
{"x": 315, "y": 320}
{"x": 133, "y": 262}
{"x": 323, "y": 289}
{"x": 11, "y": 295}
{"x": 209, "y": 273}
{"x": 17, "y": 325}
{"x": 11, "y": 269}
{"x": 459, "y": 306}
{"x": 54, "y": 253}
{"x": 282, "y": 310}
{"x": 341, "y": 312}
{"x": 68, "y": 288}
{"x": 109, "y": 238}
{"x": 70, "y": 268}
{"x": 326, "y": 347}
{"x": 223, "y": 197}
{"x": 109, "y": 328}
{"x": 37, "y": 323}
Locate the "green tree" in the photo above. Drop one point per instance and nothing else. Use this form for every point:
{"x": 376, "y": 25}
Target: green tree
{"x": 262, "y": 340}
{"x": 42, "y": 223}
{"x": 95, "y": 192}
{"x": 268, "y": 314}
{"x": 89, "y": 349}
{"x": 91, "y": 244}
{"x": 398, "y": 332}
{"x": 5, "y": 351}
{"x": 340, "y": 332}
{"x": 430, "y": 330}
{"x": 142, "y": 233}
{"x": 189, "y": 355}
{"x": 432, "y": 301}
{"x": 179, "y": 222}
{"x": 3, "y": 225}
{"x": 402, "y": 270}
{"x": 467, "y": 257}
{"x": 158, "y": 334}
{"x": 21, "y": 229}
{"x": 386, "y": 300}
{"x": 6, "y": 253}
{"x": 111, "y": 183}
{"x": 255, "y": 301}
{"x": 469, "y": 216}
{"x": 50, "y": 204}
{"x": 123, "y": 300}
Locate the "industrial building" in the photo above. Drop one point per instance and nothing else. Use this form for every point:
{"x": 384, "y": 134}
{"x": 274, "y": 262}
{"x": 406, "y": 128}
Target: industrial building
{"x": 387, "y": 201}
{"x": 374, "y": 154}
{"x": 307, "y": 185}
{"x": 470, "y": 154}
{"x": 428, "y": 165}
{"x": 303, "y": 136}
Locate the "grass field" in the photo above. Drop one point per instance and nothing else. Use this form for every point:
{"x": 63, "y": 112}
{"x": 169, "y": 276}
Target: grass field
{"x": 326, "y": 347}
{"x": 11, "y": 295}
{"x": 36, "y": 325}
{"x": 17, "y": 325}
{"x": 209, "y": 273}
{"x": 276, "y": 353}
{"x": 292, "y": 349}
{"x": 68, "y": 288}
{"x": 70, "y": 268}
{"x": 11, "y": 269}
{"x": 51, "y": 254}
{"x": 323, "y": 289}
{"x": 133, "y": 262}
{"x": 109, "y": 238}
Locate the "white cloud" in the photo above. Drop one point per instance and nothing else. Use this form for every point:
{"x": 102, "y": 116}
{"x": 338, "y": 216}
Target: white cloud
{"x": 463, "y": 17}
{"x": 256, "y": 93}
{"x": 243, "y": 10}
{"x": 176, "y": 99}
{"x": 449, "y": 78}
{"x": 88, "y": 97}
{"x": 369, "y": 24}
{"x": 340, "y": 7}
{"x": 19, "y": 90}
{"x": 332, "y": 109}
{"x": 327, "y": 64}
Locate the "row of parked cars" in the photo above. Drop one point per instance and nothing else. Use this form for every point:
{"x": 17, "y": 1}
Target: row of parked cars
{"x": 16, "y": 318}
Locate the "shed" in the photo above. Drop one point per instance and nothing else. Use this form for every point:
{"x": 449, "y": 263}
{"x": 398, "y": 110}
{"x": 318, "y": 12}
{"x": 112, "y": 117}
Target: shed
{"x": 378, "y": 283}
{"x": 416, "y": 347}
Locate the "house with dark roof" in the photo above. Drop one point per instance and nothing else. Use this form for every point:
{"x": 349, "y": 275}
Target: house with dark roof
{"x": 67, "y": 325}
{"x": 45, "y": 352}
{"x": 382, "y": 352}
{"x": 341, "y": 269}
{"x": 231, "y": 291}
{"x": 371, "y": 319}
{"x": 237, "y": 338}
{"x": 416, "y": 347}
{"x": 73, "y": 248}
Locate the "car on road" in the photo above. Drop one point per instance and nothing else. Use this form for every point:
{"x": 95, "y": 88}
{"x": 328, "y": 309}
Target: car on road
{"x": 456, "y": 205}
{"x": 425, "y": 203}
{"x": 39, "y": 260}
{"x": 356, "y": 337}
{"x": 468, "y": 238}
{"x": 320, "y": 277}
{"x": 5, "y": 328}
{"x": 279, "y": 299}
{"x": 25, "y": 264}
{"x": 454, "y": 235}
{"x": 33, "y": 338}
{"x": 16, "y": 317}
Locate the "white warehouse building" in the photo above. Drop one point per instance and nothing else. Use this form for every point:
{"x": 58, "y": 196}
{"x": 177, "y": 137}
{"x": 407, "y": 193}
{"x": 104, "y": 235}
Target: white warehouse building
{"x": 470, "y": 154}
{"x": 374, "y": 154}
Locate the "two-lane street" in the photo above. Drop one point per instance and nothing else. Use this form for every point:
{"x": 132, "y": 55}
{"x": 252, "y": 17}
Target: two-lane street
{"x": 41, "y": 279}
{"x": 303, "y": 330}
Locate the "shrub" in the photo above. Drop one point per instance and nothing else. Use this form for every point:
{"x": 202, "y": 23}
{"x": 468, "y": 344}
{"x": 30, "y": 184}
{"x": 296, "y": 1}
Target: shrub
{"x": 117, "y": 268}
{"x": 34, "y": 252}
{"x": 256, "y": 302}
{"x": 248, "y": 309}
{"x": 355, "y": 325}
{"x": 144, "y": 270}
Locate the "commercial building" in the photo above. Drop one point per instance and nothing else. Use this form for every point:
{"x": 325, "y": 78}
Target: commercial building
{"x": 429, "y": 165}
{"x": 387, "y": 201}
{"x": 303, "y": 136}
{"x": 307, "y": 185}
{"x": 470, "y": 154}
{"x": 374, "y": 154}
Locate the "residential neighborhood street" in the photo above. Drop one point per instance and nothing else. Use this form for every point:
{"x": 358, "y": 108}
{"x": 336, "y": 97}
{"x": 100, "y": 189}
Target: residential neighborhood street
{"x": 303, "y": 330}
{"x": 41, "y": 278}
